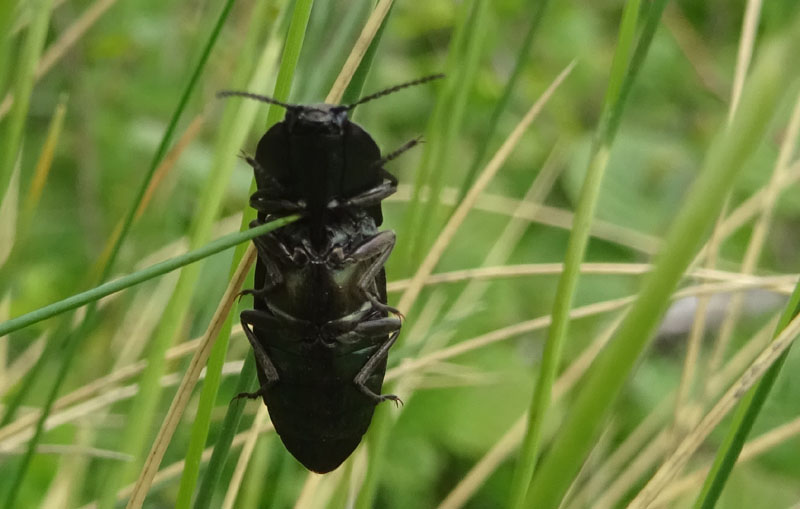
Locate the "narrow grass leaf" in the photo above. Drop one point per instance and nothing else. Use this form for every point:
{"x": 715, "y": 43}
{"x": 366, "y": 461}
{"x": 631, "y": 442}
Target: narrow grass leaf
{"x": 7, "y": 9}
{"x": 744, "y": 418}
{"x": 379, "y": 429}
{"x": 362, "y": 45}
{"x": 434, "y": 132}
{"x": 137, "y": 277}
{"x": 9, "y": 206}
{"x": 620, "y": 82}
{"x": 772, "y": 77}
{"x": 44, "y": 163}
{"x": 11, "y": 131}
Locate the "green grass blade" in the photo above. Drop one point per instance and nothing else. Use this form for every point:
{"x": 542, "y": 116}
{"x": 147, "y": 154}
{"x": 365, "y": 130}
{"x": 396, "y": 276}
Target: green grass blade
{"x": 283, "y": 85}
{"x": 770, "y": 80}
{"x": 135, "y": 433}
{"x": 24, "y": 78}
{"x": 7, "y": 11}
{"x": 138, "y": 277}
{"x": 442, "y": 149}
{"x": 621, "y": 76}
{"x": 413, "y": 217}
{"x": 744, "y": 418}
{"x": 538, "y": 10}
{"x": 72, "y": 343}
{"x": 246, "y": 383}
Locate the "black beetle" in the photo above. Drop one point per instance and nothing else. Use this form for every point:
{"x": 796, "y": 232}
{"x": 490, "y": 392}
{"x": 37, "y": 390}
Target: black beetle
{"x": 321, "y": 329}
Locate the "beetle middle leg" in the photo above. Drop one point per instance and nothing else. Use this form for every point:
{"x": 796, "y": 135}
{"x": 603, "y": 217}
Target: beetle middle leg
{"x": 270, "y": 248}
{"x": 378, "y": 248}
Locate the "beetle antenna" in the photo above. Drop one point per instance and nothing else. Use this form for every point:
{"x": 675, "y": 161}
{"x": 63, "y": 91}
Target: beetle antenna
{"x": 394, "y": 89}
{"x": 394, "y": 155}
{"x": 257, "y": 97}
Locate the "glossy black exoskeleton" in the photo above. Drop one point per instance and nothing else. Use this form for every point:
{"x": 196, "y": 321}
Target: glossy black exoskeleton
{"x": 321, "y": 329}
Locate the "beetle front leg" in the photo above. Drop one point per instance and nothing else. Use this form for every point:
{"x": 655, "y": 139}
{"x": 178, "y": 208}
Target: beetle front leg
{"x": 369, "y": 368}
{"x": 378, "y": 249}
{"x": 369, "y": 197}
{"x": 263, "y": 201}
{"x": 254, "y": 317}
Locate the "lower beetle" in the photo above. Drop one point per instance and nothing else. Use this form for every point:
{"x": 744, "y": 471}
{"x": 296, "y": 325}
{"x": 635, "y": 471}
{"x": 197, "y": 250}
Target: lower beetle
{"x": 321, "y": 328}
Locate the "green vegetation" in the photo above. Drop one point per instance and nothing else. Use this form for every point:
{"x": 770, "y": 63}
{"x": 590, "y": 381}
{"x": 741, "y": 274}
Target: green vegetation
{"x": 673, "y": 140}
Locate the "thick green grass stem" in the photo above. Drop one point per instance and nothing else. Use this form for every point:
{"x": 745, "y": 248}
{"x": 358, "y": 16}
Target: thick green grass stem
{"x": 246, "y": 383}
{"x": 283, "y": 84}
{"x": 557, "y": 332}
{"x": 140, "y": 276}
{"x": 463, "y": 64}
{"x": 442, "y": 153}
{"x": 24, "y": 78}
{"x": 773, "y": 76}
{"x": 413, "y": 217}
{"x": 208, "y": 394}
{"x": 377, "y": 439}
{"x": 290, "y": 57}
{"x": 744, "y": 418}
{"x": 576, "y": 248}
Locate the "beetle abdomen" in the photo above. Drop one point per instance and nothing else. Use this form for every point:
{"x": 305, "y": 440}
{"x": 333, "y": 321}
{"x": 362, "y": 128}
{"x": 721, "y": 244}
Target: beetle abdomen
{"x": 316, "y": 408}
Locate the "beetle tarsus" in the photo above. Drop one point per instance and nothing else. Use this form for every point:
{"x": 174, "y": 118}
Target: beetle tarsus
{"x": 250, "y": 395}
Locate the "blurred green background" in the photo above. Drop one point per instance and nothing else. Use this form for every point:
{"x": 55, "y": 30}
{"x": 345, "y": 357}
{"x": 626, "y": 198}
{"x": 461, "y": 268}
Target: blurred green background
{"x": 120, "y": 82}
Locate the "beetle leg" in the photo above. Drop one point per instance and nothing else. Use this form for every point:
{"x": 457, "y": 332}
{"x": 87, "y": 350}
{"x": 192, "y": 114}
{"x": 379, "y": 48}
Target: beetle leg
{"x": 370, "y": 197}
{"x": 261, "y": 173}
{"x": 250, "y": 395}
{"x": 369, "y": 368}
{"x": 370, "y": 329}
{"x": 250, "y": 317}
{"x": 378, "y": 249}
{"x": 263, "y": 201}
{"x": 269, "y": 248}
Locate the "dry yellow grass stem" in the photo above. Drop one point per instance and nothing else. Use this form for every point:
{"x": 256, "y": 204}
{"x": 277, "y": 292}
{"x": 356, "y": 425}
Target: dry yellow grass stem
{"x": 251, "y": 436}
{"x": 357, "y": 53}
{"x": 460, "y": 214}
{"x": 197, "y": 363}
{"x": 758, "y": 237}
{"x": 510, "y": 441}
{"x": 611, "y": 269}
{"x": 688, "y": 446}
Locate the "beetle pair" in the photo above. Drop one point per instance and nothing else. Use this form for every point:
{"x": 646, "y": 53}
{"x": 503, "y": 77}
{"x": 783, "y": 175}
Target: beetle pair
{"x": 321, "y": 329}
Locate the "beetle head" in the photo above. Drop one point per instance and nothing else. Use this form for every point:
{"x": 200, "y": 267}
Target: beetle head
{"x": 316, "y": 119}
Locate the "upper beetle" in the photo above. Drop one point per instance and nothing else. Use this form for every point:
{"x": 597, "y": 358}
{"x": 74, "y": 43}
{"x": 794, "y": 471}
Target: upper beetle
{"x": 321, "y": 329}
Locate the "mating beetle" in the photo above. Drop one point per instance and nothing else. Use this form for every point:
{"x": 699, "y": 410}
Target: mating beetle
{"x": 321, "y": 329}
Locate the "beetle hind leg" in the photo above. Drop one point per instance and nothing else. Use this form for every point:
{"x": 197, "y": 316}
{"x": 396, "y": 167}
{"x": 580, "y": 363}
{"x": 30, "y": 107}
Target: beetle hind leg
{"x": 369, "y": 368}
{"x": 251, "y": 395}
{"x": 249, "y": 318}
